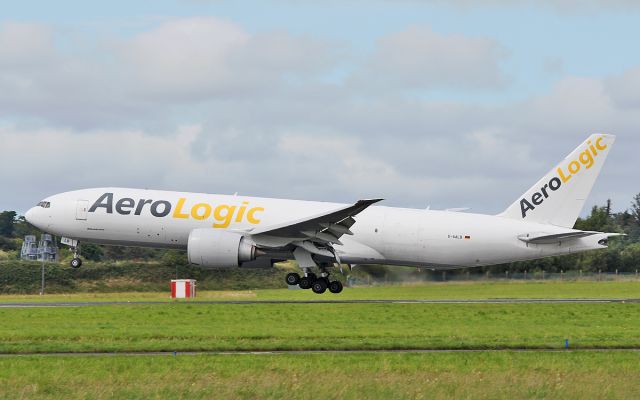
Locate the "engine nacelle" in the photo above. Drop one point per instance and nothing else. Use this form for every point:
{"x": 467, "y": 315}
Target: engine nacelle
{"x": 214, "y": 248}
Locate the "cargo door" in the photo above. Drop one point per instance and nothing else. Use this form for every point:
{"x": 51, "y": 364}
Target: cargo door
{"x": 81, "y": 210}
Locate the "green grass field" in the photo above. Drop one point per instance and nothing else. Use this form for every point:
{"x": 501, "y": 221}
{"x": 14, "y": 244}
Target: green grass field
{"x": 449, "y": 290}
{"x": 183, "y": 326}
{"x": 186, "y": 327}
{"x": 504, "y": 375}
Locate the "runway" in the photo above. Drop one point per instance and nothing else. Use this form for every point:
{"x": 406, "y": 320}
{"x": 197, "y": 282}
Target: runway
{"x": 305, "y": 352}
{"x": 247, "y": 302}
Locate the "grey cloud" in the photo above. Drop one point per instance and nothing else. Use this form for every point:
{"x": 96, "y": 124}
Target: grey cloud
{"x": 624, "y": 89}
{"x": 24, "y": 45}
{"x": 200, "y": 58}
{"x": 418, "y": 58}
{"x": 484, "y": 160}
{"x": 261, "y": 121}
{"x": 419, "y": 152}
{"x": 182, "y": 62}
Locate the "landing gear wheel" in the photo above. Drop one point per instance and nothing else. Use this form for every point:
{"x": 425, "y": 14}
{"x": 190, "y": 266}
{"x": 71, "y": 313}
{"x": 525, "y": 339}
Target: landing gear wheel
{"x": 319, "y": 286}
{"x": 335, "y": 287}
{"x": 312, "y": 276}
{"x": 293, "y": 278}
{"x": 76, "y": 262}
{"x": 305, "y": 283}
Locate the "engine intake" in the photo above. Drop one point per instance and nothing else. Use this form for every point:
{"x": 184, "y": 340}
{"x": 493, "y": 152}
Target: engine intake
{"x": 214, "y": 248}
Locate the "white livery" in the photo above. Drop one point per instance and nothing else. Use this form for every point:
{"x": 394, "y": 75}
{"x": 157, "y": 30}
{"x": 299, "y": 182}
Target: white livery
{"x": 239, "y": 231}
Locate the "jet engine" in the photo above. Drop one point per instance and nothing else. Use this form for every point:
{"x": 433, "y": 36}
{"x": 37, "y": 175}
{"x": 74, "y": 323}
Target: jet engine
{"x": 214, "y": 248}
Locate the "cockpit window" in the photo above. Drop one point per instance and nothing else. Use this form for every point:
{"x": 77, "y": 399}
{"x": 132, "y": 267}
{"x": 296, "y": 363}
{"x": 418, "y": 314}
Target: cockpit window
{"x": 44, "y": 204}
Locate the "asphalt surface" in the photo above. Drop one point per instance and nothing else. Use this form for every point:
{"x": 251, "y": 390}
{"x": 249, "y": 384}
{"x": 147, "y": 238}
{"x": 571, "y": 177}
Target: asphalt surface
{"x": 195, "y": 302}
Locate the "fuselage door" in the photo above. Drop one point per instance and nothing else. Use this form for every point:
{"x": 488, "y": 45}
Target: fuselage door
{"x": 81, "y": 210}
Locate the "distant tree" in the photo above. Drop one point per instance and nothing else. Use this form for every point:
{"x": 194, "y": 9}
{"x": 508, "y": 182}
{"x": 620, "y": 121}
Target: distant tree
{"x": 21, "y": 228}
{"x": 92, "y": 252}
{"x": 130, "y": 253}
{"x": 635, "y": 208}
{"x": 624, "y": 219}
{"x": 630, "y": 257}
{"x": 7, "y": 219}
{"x": 175, "y": 257}
{"x": 599, "y": 220}
{"x": 7, "y": 244}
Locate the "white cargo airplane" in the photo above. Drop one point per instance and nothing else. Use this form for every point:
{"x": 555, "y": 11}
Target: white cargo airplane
{"x": 237, "y": 231}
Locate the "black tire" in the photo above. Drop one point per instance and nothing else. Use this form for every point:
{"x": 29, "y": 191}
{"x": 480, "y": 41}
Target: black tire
{"x": 76, "y": 263}
{"x": 305, "y": 283}
{"x": 292, "y": 278}
{"x": 335, "y": 287}
{"x": 312, "y": 276}
{"x": 319, "y": 286}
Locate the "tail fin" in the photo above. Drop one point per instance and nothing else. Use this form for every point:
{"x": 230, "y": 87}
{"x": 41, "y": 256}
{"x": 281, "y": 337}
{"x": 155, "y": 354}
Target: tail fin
{"x": 559, "y": 196}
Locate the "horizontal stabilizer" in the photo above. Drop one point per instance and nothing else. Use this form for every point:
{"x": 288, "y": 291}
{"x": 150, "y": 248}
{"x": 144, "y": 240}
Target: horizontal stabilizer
{"x": 544, "y": 238}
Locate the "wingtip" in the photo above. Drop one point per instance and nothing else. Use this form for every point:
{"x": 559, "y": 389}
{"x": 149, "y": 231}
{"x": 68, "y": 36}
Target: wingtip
{"x": 370, "y": 201}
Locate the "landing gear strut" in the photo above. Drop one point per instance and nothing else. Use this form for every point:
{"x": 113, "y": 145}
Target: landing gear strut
{"x": 320, "y": 284}
{"x": 76, "y": 262}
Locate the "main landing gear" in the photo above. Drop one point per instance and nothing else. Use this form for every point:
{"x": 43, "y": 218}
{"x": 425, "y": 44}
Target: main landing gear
{"x": 310, "y": 281}
{"x": 319, "y": 284}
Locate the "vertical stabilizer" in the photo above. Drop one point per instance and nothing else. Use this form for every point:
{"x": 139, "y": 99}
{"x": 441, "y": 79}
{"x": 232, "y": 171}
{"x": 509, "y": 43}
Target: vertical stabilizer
{"x": 558, "y": 198}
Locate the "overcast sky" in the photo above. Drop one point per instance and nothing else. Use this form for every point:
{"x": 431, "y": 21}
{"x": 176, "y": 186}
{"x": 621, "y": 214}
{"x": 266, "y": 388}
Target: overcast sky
{"x": 424, "y": 103}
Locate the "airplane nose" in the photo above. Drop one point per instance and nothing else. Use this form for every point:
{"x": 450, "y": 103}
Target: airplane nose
{"x": 34, "y": 217}
{"x": 29, "y": 216}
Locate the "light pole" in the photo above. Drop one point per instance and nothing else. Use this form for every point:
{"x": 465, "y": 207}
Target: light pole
{"x": 46, "y": 248}
{"x": 42, "y": 276}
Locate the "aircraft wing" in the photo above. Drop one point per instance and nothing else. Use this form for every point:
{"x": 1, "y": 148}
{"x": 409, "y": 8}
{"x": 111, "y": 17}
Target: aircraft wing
{"x": 323, "y": 229}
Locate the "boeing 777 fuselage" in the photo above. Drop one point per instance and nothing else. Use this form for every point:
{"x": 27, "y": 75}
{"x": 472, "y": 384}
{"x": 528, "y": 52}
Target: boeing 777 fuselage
{"x": 238, "y": 231}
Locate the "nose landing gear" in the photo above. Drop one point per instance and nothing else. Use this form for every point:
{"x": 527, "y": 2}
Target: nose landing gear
{"x": 76, "y": 262}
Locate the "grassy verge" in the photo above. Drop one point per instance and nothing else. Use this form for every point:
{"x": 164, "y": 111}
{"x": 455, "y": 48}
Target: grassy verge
{"x": 449, "y": 290}
{"x": 17, "y": 277}
{"x": 476, "y": 290}
{"x": 573, "y": 375}
{"x": 318, "y": 326}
